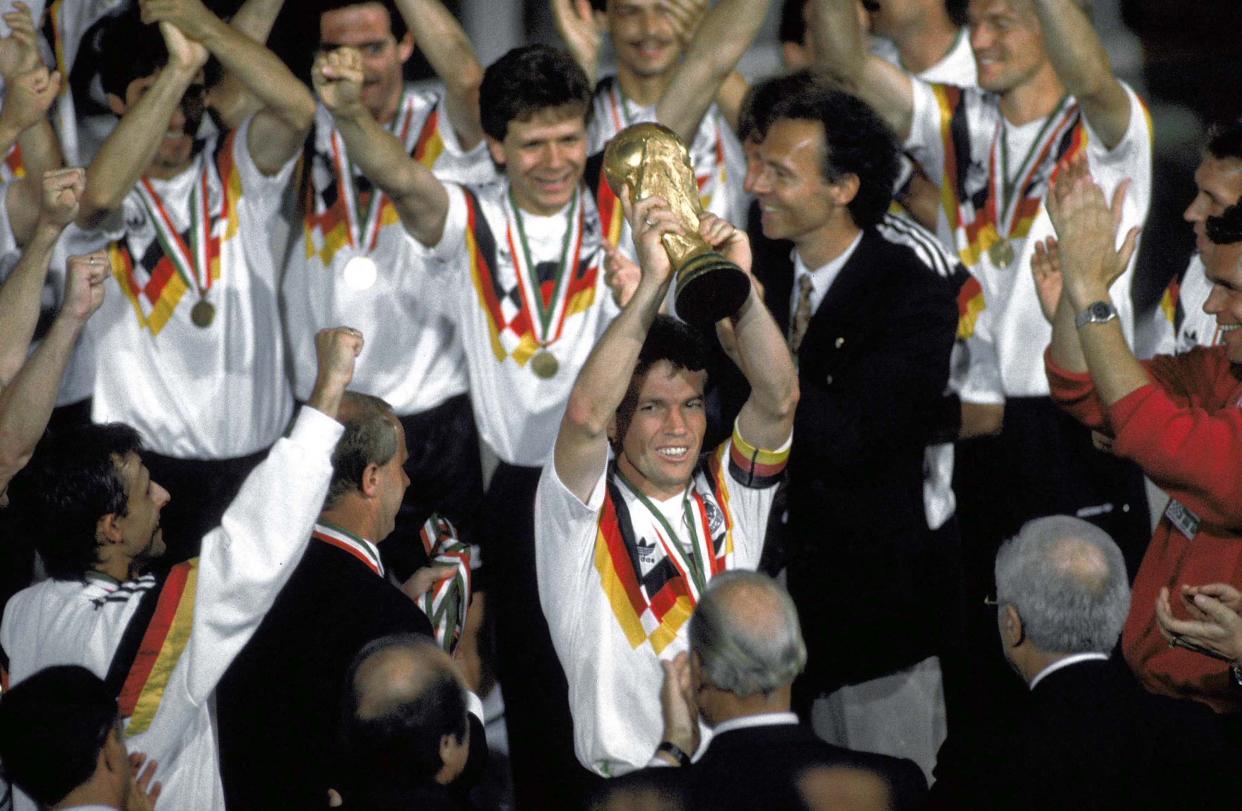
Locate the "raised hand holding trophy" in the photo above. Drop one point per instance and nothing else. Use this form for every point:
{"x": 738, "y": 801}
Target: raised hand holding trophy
{"x": 652, "y": 160}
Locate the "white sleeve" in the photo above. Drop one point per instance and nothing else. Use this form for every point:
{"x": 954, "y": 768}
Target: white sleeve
{"x": 564, "y": 539}
{"x": 246, "y": 561}
{"x": 926, "y": 143}
{"x": 983, "y": 378}
{"x": 450, "y": 254}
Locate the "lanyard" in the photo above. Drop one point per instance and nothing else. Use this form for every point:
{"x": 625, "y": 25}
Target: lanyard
{"x": 568, "y": 260}
{"x": 694, "y": 562}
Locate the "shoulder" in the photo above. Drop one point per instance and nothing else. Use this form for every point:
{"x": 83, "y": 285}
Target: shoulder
{"x": 916, "y": 246}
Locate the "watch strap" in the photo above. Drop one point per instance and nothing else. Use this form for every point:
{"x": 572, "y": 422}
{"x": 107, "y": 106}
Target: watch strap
{"x": 1097, "y": 312}
{"x": 683, "y": 760}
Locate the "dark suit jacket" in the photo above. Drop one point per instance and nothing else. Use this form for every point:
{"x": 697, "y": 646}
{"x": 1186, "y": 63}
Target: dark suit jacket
{"x": 758, "y": 767}
{"x": 279, "y": 704}
{"x": 1089, "y": 737}
{"x": 871, "y": 586}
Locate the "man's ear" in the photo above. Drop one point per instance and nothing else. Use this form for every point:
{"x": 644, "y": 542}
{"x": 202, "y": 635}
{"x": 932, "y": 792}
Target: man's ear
{"x": 845, "y": 189}
{"x": 1011, "y": 626}
{"x": 496, "y": 149}
{"x": 116, "y": 104}
{"x": 370, "y": 480}
{"x": 405, "y": 46}
{"x": 108, "y": 529}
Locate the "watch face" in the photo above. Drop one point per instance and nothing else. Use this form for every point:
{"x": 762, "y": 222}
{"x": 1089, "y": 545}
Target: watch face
{"x": 1100, "y": 311}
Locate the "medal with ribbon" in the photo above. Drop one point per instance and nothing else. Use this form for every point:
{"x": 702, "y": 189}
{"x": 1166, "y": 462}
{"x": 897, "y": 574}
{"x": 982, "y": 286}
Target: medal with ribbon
{"x": 364, "y": 226}
{"x": 1004, "y": 196}
{"x": 693, "y": 560}
{"x": 548, "y": 317}
{"x": 192, "y": 262}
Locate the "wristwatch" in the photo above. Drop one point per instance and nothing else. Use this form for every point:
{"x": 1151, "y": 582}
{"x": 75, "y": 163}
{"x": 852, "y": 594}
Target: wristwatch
{"x": 1097, "y": 312}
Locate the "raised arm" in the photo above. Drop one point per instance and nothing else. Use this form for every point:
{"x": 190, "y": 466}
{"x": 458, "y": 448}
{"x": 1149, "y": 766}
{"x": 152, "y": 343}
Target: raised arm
{"x": 279, "y": 129}
{"x": 767, "y": 416}
{"x": 582, "y": 443}
{"x": 1082, "y": 65}
{"x": 30, "y": 91}
{"x": 839, "y": 46}
{"x": 419, "y": 197}
{"x": 451, "y": 55}
{"x": 229, "y": 97}
{"x": 248, "y": 559}
{"x": 21, "y": 292}
{"x": 1086, "y": 230}
{"x": 26, "y": 403}
{"x": 127, "y": 152}
{"x": 24, "y": 119}
{"x": 582, "y": 30}
{"x": 722, "y": 37}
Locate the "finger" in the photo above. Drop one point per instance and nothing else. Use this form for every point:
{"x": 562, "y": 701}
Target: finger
{"x": 1119, "y": 201}
{"x": 1127, "y": 247}
{"x": 1216, "y": 610}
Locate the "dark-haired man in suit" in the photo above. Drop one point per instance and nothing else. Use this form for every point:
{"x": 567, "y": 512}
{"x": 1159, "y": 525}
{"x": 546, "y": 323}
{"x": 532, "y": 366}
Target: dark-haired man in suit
{"x": 871, "y": 318}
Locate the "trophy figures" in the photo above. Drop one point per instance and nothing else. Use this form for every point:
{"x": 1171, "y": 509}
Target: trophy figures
{"x": 653, "y": 161}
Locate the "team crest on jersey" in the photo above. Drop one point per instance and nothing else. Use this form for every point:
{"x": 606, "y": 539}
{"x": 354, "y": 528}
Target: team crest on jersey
{"x": 136, "y": 221}
{"x": 715, "y": 519}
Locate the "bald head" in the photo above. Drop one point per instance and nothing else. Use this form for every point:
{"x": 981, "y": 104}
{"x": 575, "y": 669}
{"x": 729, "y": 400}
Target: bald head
{"x": 1067, "y": 579}
{"x": 404, "y": 714}
{"x": 745, "y": 631}
{"x": 398, "y": 674}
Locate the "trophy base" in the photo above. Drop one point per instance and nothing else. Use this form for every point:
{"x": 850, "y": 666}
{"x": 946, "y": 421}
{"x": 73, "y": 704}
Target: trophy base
{"x": 709, "y": 288}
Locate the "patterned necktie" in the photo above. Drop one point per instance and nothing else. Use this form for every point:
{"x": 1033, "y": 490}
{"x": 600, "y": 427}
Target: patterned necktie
{"x": 802, "y": 313}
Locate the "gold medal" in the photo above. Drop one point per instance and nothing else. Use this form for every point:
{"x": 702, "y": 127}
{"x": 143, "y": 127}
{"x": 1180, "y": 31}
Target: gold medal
{"x": 202, "y": 314}
{"x": 1001, "y": 253}
{"x": 544, "y": 364}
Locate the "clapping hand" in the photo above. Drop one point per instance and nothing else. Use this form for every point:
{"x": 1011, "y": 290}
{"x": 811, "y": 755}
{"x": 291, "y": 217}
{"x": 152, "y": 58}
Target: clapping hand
{"x": 1086, "y": 227}
{"x": 1214, "y": 628}
{"x": 337, "y": 77}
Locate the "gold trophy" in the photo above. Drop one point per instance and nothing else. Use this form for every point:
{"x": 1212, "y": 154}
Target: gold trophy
{"x": 653, "y": 161}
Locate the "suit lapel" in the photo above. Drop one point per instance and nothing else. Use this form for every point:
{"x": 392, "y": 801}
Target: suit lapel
{"x": 845, "y": 292}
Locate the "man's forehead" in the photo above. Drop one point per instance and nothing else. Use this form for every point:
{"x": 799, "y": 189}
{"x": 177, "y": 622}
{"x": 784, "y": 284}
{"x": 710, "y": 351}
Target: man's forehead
{"x": 129, "y": 466}
{"x": 1220, "y": 173}
{"x": 663, "y": 375}
{"x": 987, "y": 8}
{"x": 363, "y": 15}
{"x": 562, "y": 116}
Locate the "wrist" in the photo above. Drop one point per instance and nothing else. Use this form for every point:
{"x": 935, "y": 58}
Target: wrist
{"x": 1082, "y": 296}
{"x": 673, "y": 753}
{"x": 47, "y": 231}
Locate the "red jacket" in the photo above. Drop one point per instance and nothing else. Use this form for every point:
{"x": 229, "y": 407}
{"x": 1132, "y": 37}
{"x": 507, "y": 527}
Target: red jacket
{"x": 1185, "y": 431}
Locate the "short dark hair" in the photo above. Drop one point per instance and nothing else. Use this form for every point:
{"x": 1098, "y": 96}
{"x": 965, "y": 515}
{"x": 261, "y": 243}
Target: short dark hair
{"x": 668, "y": 339}
{"x": 72, "y": 481}
{"x": 1225, "y": 141}
{"x": 370, "y": 437}
{"x": 396, "y": 23}
{"x": 528, "y": 80}
{"x": 764, "y": 97}
{"x": 956, "y": 9}
{"x": 52, "y": 728}
{"x": 856, "y": 142}
{"x": 792, "y": 26}
{"x": 129, "y": 49}
{"x": 400, "y": 747}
